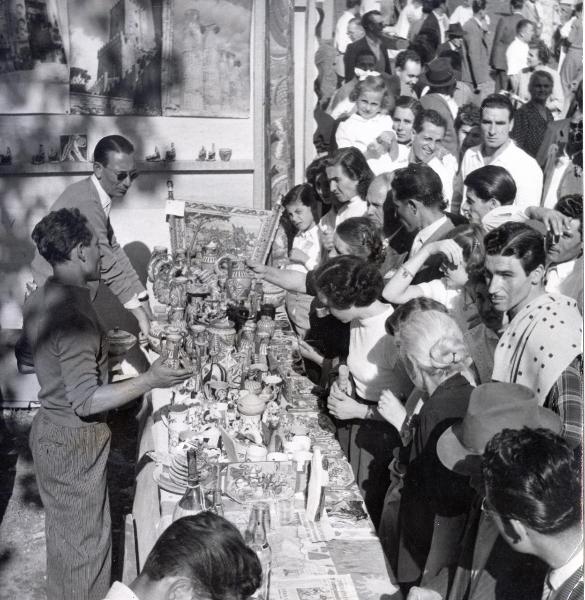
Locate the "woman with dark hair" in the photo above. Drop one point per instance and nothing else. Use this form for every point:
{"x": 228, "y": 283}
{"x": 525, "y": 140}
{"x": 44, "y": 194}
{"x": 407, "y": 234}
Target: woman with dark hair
{"x": 349, "y": 179}
{"x": 351, "y": 288}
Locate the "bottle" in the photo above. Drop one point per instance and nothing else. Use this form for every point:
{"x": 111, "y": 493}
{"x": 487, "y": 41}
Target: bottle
{"x": 343, "y": 381}
{"x": 193, "y": 501}
{"x": 256, "y": 537}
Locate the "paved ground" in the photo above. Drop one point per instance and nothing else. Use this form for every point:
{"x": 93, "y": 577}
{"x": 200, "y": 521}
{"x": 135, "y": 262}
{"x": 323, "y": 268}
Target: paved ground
{"x": 22, "y": 535}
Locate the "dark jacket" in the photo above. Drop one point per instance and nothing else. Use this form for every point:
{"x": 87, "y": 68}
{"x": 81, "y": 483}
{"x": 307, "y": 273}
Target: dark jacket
{"x": 352, "y": 52}
{"x": 505, "y": 33}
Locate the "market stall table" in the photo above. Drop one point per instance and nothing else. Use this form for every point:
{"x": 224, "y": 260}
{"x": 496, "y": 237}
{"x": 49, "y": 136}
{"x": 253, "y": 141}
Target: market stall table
{"x": 352, "y": 551}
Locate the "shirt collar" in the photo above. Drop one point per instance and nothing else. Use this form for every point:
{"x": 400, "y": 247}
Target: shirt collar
{"x": 309, "y": 233}
{"x": 119, "y": 591}
{"x": 105, "y": 200}
{"x": 557, "y": 577}
{"x": 498, "y": 152}
{"x": 424, "y": 234}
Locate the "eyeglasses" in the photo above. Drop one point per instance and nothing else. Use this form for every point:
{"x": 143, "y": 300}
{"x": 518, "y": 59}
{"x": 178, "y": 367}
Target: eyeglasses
{"x": 123, "y": 175}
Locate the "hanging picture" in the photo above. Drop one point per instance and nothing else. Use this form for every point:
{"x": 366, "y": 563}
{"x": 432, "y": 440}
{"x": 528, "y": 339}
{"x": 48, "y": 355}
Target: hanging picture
{"x": 206, "y": 58}
{"x": 33, "y": 56}
{"x": 115, "y": 57}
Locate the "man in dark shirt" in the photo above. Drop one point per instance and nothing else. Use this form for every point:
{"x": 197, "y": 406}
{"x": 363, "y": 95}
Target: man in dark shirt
{"x": 69, "y": 437}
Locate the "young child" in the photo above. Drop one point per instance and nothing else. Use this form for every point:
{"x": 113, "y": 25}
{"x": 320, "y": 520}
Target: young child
{"x": 369, "y": 129}
{"x": 463, "y": 254}
{"x": 302, "y": 208}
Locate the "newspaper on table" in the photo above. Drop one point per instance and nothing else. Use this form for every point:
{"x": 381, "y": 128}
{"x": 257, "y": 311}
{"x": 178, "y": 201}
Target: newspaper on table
{"x": 330, "y": 587}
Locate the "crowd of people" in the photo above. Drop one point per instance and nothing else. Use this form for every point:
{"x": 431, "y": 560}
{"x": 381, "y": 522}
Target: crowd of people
{"x": 436, "y": 250}
{"x": 446, "y": 271}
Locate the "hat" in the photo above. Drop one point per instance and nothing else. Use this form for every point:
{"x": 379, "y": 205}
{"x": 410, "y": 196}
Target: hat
{"x": 455, "y": 30}
{"x": 492, "y": 408}
{"x": 439, "y": 73}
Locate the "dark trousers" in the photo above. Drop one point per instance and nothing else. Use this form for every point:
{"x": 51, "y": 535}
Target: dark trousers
{"x": 70, "y": 466}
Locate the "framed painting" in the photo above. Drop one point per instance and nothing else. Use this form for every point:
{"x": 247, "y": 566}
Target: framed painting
{"x": 236, "y": 230}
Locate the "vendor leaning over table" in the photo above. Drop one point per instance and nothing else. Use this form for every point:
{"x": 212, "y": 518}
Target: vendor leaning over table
{"x": 114, "y": 170}
{"x": 69, "y": 437}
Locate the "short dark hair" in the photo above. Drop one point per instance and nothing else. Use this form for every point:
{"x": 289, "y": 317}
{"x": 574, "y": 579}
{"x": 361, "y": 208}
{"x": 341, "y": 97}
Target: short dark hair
{"x": 533, "y": 476}
{"x": 348, "y": 281}
{"x": 56, "y": 234}
{"x": 424, "y": 46}
{"x": 367, "y": 18}
{"x": 315, "y": 169}
{"x": 411, "y": 103}
{"x": 429, "y": 116}
{"x": 414, "y": 305}
{"x": 522, "y": 24}
{"x": 420, "y": 183}
{"x": 542, "y": 50}
{"x": 306, "y": 195}
{"x": 355, "y": 167}
{"x": 111, "y": 143}
{"x": 478, "y": 5}
{"x": 403, "y": 57}
{"x": 492, "y": 181}
{"x": 571, "y": 206}
{"x": 211, "y": 553}
{"x": 518, "y": 240}
{"x": 517, "y": 4}
{"x": 352, "y": 3}
{"x": 363, "y": 237}
{"x": 498, "y": 101}
{"x": 364, "y": 52}
{"x": 469, "y": 114}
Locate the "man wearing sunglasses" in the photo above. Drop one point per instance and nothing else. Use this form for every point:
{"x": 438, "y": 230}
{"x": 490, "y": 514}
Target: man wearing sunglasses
{"x": 114, "y": 170}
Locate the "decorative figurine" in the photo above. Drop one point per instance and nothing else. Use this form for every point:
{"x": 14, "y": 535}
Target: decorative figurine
{"x": 53, "y": 155}
{"x": 202, "y": 154}
{"x": 39, "y": 158}
{"x": 211, "y": 153}
{"x": 171, "y": 154}
{"x": 155, "y": 156}
{"x": 225, "y": 154}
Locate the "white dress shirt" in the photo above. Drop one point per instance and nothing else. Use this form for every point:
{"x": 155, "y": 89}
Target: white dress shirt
{"x": 517, "y": 56}
{"x": 461, "y": 15}
{"x": 445, "y": 168}
{"x": 424, "y": 234}
{"x": 525, "y": 172}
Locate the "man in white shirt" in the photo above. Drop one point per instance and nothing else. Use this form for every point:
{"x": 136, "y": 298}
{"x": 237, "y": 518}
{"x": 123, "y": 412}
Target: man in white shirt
{"x": 342, "y": 38}
{"x": 199, "y": 556}
{"x": 517, "y": 52}
{"x": 533, "y": 493}
{"x": 429, "y": 132}
{"x": 497, "y": 120}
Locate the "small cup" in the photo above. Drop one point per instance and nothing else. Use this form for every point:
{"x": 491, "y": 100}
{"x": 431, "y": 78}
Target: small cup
{"x": 225, "y": 154}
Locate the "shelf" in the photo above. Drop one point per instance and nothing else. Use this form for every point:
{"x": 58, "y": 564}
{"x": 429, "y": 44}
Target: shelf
{"x": 178, "y": 166}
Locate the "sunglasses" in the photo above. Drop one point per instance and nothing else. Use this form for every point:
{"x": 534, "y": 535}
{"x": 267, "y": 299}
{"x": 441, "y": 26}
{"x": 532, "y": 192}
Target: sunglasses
{"x": 123, "y": 175}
